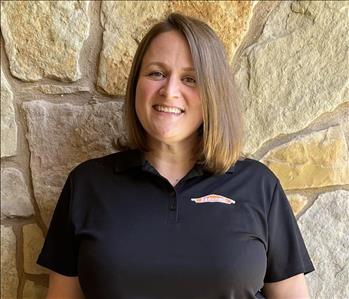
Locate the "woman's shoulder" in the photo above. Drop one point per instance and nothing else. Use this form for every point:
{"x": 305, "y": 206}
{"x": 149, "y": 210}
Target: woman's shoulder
{"x": 255, "y": 168}
{"x": 106, "y": 162}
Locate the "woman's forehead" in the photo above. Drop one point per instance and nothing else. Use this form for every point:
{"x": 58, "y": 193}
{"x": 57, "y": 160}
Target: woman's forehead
{"x": 168, "y": 47}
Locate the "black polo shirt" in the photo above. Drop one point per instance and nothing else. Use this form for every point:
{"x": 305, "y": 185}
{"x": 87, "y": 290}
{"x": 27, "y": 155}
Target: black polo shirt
{"x": 128, "y": 233}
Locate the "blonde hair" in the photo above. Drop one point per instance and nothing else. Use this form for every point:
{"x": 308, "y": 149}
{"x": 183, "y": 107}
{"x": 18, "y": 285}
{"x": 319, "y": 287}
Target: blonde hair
{"x": 221, "y": 135}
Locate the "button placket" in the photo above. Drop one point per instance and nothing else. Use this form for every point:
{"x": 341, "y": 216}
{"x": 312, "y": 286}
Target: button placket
{"x": 173, "y": 208}
{"x": 173, "y": 200}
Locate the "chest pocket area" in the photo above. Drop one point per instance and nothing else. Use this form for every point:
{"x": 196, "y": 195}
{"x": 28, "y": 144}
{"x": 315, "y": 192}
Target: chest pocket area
{"x": 250, "y": 222}
{"x": 239, "y": 221}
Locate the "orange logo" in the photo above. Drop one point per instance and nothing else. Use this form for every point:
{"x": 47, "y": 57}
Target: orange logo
{"x": 214, "y": 198}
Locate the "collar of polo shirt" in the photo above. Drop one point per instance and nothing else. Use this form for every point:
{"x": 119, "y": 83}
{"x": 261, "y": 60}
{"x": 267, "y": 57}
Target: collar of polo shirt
{"x": 135, "y": 158}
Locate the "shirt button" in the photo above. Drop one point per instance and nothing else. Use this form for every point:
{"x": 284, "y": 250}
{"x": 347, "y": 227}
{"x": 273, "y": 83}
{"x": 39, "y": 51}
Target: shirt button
{"x": 173, "y": 206}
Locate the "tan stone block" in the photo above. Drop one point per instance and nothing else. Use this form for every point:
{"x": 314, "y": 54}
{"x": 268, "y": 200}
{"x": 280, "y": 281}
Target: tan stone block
{"x": 293, "y": 73}
{"x": 43, "y": 39}
{"x": 34, "y": 290}
{"x": 33, "y": 241}
{"x": 15, "y": 198}
{"x": 60, "y": 136}
{"x": 229, "y": 19}
{"x": 9, "y": 275}
{"x": 343, "y": 120}
{"x": 8, "y": 120}
{"x": 312, "y": 161}
{"x": 297, "y": 202}
{"x": 324, "y": 227}
{"x": 121, "y": 37}
{"x": 56, "y": 89}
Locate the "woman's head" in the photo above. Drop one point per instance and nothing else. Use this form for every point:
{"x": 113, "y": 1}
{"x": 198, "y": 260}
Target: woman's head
{"x": 167, "y": 99}
{"x": 219, "y": 141}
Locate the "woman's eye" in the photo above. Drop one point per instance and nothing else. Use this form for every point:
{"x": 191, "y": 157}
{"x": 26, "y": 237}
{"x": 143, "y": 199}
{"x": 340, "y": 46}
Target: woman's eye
{"x": 189, "y": 80}
{"x": 156, "y": 75}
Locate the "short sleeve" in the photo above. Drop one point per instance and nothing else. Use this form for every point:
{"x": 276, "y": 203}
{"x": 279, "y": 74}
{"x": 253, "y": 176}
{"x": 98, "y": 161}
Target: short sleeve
{"x": 60, "y": 249}
{"x": 287, "y": 254}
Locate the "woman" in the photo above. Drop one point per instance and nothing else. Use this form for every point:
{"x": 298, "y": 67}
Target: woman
{"x": 181, "y": 214}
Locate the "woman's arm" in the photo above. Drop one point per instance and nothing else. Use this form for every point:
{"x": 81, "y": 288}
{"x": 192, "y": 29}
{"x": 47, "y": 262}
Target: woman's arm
{"x": 64, "y": 287}
{"x": 294, "y": 287}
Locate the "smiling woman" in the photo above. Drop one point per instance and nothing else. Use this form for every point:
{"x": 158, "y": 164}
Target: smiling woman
{"x": 180, "y": 213}
{"x": 203, "y": 78}
{"x": 168, "y": 103}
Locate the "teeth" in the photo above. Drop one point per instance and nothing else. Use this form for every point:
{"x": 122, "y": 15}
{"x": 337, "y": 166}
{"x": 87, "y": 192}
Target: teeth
{"x": 167, "y": 109}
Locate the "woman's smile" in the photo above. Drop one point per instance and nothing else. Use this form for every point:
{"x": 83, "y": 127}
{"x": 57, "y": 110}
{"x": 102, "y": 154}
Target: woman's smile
{"x": 168, "y": 110}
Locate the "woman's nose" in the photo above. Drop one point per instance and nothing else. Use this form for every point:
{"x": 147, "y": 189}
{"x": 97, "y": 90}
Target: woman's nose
{"x": 170, "y": 89}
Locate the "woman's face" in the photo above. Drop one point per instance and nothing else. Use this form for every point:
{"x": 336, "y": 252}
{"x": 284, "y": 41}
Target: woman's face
{"x": 168, "y": 104}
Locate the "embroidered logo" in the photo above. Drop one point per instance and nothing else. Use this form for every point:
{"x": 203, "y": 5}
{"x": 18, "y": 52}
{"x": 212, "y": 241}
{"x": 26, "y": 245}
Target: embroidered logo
{"x": 214, "y": 198}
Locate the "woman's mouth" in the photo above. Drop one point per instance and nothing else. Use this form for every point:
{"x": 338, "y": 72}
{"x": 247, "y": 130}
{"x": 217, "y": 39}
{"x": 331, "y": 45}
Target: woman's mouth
{"x": 166, "y": 109}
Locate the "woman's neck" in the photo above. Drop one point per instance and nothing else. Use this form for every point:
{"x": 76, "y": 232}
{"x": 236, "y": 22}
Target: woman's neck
{"x": 172, "y": 161}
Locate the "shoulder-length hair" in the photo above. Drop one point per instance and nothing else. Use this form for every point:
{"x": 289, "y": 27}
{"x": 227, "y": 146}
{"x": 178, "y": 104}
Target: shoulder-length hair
{"x": 221, "y": 135}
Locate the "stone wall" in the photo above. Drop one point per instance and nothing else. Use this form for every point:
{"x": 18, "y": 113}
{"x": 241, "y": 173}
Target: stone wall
{"x": 64, "y": 67}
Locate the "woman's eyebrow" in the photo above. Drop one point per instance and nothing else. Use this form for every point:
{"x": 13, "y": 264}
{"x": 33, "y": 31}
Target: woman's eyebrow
{"x": 161, "y": 64}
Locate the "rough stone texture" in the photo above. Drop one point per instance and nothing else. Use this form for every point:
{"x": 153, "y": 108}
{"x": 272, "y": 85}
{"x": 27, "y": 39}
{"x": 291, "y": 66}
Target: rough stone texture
{"x": 325, "y": 231}
{"x": 15, "y": 199}
{"x": 343, "y": 120}
{"x": 55, "y": 31}
{"x": 62, "y": 135}
{"x": 316, "y": 160}
{"x": 33, "y": 290}
{"x": 9, "y": 275}
{"x": 121, "y": 37}
{"x": 297, "y": 202}
{"x": 297, "y": 69}
{"x": 56, "y": 89}
{"x": 236, "y": 16}
{"x": 32, "y": 243}
{"x": 8, "y": 120}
